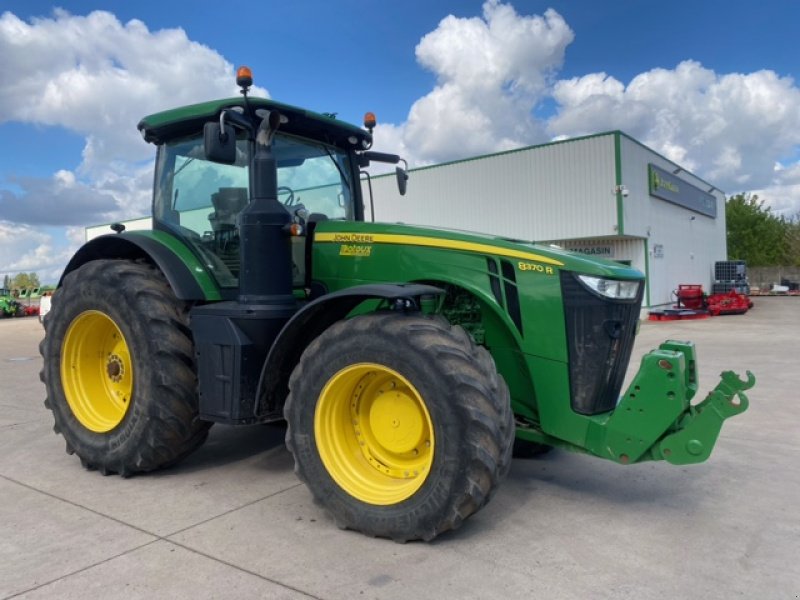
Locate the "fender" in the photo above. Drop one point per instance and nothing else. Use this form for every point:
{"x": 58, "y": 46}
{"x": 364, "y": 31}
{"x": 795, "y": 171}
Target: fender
{"x": 314, "y": 318}
{"x": 185, "y": 274}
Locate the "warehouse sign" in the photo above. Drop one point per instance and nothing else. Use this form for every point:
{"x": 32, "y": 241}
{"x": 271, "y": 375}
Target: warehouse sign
{"x": 666, "y": 186}
{"x": 603, "y": 251}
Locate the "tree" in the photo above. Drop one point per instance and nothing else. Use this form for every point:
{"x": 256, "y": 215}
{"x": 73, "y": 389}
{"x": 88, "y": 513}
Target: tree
{"x": 6, "y": 282}
{"x": 756, "y": 235}
{"x": 794, "y": 240}
{"x": 25, "y": 280}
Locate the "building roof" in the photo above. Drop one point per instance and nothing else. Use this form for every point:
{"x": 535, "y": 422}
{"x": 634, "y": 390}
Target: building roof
{"x": 614, "y": 132}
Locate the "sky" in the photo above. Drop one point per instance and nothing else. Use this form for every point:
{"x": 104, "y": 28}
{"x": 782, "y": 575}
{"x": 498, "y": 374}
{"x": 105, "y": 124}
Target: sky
{"x": 712, "y": 84}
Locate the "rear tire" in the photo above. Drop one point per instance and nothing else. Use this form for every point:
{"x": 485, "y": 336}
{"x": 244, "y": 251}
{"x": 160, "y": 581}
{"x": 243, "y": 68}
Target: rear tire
{"x": 119, "y": 369}
{"x": 399, "y": 425}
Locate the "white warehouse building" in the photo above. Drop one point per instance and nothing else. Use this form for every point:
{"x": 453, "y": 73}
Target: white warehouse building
{"x": 607, "y": 195}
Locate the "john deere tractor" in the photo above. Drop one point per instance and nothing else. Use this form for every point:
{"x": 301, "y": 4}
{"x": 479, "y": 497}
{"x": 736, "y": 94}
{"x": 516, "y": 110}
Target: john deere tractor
{"x": 9, "y": 305}
{"x": 408, "y": 362}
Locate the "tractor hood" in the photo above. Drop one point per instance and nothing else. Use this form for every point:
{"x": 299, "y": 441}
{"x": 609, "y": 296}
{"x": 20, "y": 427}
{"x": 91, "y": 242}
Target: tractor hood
{"x": 355, "y": 235}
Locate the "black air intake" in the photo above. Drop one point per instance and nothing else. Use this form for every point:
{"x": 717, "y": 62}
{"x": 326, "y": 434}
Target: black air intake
{"x": 600, "y": 333}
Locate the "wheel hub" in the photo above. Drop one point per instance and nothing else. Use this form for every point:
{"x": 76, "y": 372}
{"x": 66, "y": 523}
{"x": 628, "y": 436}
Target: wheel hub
{"x": 115, "y": 368}
{"x": 96, "y": 371}
{"x": 396, "y": 422}
{"x": 374, "y": 433}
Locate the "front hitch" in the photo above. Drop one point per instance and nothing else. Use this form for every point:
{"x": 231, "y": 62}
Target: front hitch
{"x": 655, "y": 420}
{"x": 699, "y": 429}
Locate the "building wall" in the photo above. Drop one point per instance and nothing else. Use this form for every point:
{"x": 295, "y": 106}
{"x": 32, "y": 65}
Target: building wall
{"x": 627, "y": 250}
{"x": 558, "y": 191}
{"x": 682, "y": 244}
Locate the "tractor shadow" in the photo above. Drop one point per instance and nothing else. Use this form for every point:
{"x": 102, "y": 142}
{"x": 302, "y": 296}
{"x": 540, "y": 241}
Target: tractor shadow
{"x": 543, "y": 488}
{"x": 573, "y": 476}
{"x": 262, "y": 447}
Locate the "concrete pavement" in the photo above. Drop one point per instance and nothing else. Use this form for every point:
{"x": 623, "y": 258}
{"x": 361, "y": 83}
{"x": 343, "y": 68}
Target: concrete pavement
{"x": 232, "y": 521}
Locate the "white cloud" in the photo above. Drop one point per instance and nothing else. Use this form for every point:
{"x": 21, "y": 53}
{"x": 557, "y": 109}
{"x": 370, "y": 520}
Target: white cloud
{"x": 783, "y": 194}
{"x": 97, "y": 76}
{"x": 27, "y": 249}
{"x": 494, "y": 71}
{"x": 491, "y": 71}
{"x": 728, "y": 128}
{"x": 60, "y": 200}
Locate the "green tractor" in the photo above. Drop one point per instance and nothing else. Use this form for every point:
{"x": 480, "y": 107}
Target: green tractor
{"x": 9, "y": 305}
{"x": 409, "y": 363}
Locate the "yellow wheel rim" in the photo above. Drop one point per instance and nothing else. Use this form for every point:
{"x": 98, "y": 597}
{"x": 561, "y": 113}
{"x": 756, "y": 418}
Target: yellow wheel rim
{"x": 96, "y": 371}
{"x": 374, "y": 434}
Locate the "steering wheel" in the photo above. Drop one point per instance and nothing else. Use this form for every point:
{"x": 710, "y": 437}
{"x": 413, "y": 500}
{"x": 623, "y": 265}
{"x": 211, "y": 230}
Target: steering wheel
{"x": 283, "y": 189}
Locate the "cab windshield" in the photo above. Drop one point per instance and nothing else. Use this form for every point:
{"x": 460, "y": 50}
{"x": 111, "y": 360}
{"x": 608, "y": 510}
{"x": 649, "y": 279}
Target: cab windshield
{"x": 200, "y": 200}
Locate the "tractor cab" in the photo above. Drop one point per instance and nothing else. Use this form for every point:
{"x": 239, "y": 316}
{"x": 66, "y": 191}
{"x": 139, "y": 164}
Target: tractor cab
{"x": 200, "y": 200}
{"x": 205, "y": 179}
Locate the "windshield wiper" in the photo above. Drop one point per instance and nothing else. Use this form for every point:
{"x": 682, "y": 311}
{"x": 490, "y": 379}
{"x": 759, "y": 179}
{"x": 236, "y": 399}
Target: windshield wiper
{"x": 338, "y": 167}
{"x": 190, "y": 160}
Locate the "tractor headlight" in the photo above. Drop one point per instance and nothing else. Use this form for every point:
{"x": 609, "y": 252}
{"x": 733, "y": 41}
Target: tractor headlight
{"x": 616, "y": 289}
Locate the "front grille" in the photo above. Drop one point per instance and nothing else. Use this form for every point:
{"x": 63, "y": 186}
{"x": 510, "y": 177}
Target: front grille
{"x": 600, "y": 333}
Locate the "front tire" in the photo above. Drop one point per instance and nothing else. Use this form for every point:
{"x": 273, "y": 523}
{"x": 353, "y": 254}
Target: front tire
{"x": 399, "y": 425}
{"x": 119, "y": 369}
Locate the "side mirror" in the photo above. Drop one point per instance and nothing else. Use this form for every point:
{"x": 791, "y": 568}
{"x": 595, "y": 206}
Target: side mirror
{"x": 402, "y": 179}
{"x": 219, "y": 143}
{"x": 365, "y": 157}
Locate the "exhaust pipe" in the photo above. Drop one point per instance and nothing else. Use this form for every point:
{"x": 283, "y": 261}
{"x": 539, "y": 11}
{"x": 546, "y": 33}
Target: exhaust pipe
{"x": 265, "y": 253}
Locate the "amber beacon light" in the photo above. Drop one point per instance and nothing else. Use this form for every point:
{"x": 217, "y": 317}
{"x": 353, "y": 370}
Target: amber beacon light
{"x": 244, "y": 77}
{"x": 370, "y": 121}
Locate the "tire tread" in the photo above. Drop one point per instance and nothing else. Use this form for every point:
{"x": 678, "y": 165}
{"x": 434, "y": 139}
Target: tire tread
{"x": 173, "y": 429}
{"x": 482, "y": 400}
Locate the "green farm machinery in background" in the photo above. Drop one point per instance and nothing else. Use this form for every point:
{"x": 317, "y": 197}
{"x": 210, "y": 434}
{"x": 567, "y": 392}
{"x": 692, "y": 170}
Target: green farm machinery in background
{"x": 408, "y": 362}
{"x": 21, "y": 302}
{"x": 9, "y": 305}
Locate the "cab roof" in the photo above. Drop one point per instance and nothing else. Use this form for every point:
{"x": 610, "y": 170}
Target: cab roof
{"x": 162, "y": 126}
